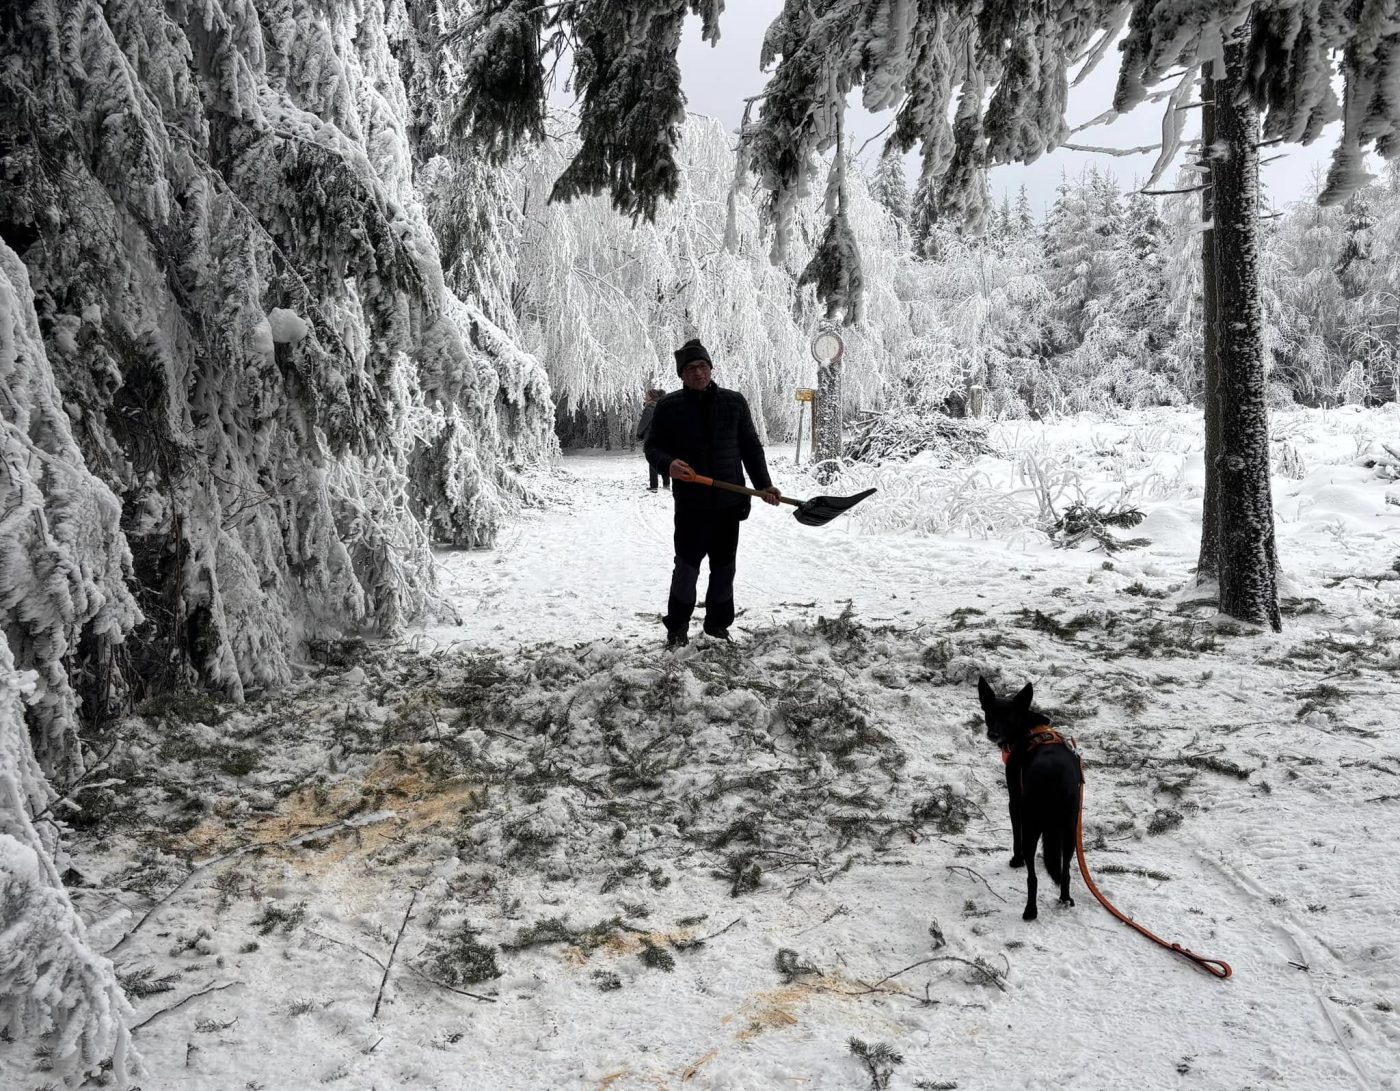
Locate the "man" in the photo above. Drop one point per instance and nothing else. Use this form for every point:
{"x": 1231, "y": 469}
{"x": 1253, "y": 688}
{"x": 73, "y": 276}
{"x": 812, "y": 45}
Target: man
{"x": 703, "y": 428}
{"x": 644, "y": 430}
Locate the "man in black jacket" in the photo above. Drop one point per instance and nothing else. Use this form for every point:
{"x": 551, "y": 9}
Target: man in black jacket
{"x": 703, "y": 428}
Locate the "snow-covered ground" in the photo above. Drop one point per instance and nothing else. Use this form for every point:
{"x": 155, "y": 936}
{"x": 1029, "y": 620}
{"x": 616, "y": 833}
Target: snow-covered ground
{"x": 543, "y": 793}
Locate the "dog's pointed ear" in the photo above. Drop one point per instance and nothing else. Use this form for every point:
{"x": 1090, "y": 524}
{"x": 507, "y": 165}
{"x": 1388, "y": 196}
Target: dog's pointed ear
{"x": 1022, "y": 700}
{"x": 985, "y": 693}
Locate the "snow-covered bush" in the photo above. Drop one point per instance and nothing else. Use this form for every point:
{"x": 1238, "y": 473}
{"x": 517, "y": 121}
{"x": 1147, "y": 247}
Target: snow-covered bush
{"x": 54, "y": 990}
{"x": 905, "y": 432}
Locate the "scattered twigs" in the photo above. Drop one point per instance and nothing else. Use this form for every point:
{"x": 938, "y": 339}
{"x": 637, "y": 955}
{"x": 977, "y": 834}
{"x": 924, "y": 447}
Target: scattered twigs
{"x": 690, "y": 944}
{"x": 986, "y": 973}
{"x": 442, "y": 985}
{"x": 840, "y": 910}
{"x": 975, "y": 875}
{"x": 505, "y": 735}
{"x": 407, "y": 914}
{"x": 180, "y": 1003}
{"x": 345, "y": 943}
{"x": 384, "y": 966}
{"x": 796, "y": 858}
{"x": 722, "y": 931}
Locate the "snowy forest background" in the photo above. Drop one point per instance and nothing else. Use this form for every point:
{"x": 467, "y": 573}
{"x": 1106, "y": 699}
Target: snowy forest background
{"x": 270, "y": 329}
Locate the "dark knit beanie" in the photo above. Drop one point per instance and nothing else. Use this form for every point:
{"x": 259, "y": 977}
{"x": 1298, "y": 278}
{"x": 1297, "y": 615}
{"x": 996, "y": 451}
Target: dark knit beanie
{"x": 692, "y": 350}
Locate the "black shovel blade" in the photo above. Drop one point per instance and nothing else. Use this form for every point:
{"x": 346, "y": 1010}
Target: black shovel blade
{"x": 821, "y": 510}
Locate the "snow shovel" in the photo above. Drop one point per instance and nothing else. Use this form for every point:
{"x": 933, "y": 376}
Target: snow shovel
{"x": 815, "y": 512}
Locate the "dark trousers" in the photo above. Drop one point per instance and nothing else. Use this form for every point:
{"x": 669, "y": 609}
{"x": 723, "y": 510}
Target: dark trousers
{"x": 701, "y": 534}
{"x": 656, "y": 474}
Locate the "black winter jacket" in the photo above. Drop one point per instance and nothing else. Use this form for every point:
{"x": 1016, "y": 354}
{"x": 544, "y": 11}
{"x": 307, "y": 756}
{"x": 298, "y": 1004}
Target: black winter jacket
{"x": 644, "y": 424}
{"x": 713, "y": 431}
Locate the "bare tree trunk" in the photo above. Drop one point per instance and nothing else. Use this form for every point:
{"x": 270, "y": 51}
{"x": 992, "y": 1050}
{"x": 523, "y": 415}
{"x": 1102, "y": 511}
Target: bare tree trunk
{"x": 1248, "y": 561}
{"x": 1208, "y": 564}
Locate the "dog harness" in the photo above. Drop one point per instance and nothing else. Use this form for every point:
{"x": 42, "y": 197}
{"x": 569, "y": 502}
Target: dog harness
{"x": 1042, "y": 736}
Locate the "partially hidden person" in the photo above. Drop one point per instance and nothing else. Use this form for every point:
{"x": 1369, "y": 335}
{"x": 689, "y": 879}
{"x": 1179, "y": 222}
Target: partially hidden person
{"x": 644, "y": 430}
{"x": 704, "y": 428}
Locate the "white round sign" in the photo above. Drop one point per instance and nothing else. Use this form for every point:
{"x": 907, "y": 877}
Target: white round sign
{"x": 827, "y": 346}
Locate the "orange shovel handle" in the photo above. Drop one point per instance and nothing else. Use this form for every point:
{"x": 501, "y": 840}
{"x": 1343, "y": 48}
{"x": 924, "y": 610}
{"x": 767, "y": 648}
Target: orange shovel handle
{"x": 728, "y": 486}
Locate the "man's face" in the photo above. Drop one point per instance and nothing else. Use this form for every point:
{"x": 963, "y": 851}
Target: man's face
{"x": 696, "y": 375}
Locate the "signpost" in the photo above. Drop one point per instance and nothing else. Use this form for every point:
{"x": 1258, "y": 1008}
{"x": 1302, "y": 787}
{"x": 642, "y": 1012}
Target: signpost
{"x": 808, "y": 395}
{"x": 827, "y": 346}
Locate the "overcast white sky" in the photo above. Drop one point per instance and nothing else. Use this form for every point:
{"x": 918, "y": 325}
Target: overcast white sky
{"x": 717, "y": 80}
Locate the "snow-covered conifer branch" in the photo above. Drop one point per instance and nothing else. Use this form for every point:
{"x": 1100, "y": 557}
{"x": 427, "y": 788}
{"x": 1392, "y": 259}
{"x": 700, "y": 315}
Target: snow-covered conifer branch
{"x": 54, "y": 989}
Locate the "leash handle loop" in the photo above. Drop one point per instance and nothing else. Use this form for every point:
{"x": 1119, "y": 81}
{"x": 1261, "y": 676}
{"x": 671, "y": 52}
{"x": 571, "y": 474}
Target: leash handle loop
{"x": 1218, "y": 967}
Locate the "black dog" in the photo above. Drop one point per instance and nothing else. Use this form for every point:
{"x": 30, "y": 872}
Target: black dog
{"x": 1042, "y": 780}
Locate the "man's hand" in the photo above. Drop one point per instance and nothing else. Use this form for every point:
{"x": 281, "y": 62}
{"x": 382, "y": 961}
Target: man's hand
{"x": 680, "y": 470}
{"x": 771, "y": 495}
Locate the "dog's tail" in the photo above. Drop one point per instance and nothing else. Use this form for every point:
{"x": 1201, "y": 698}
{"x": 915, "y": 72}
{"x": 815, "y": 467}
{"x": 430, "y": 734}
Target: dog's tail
{"x": 1059, "y": 848}
{"x": 1056, "y": 848}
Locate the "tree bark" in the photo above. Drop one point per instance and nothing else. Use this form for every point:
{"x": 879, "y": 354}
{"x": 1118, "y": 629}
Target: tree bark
{"x": 828, "y": 418}
{"x": 1207, "y": 565}
{"x": 1247, "y": 558}
{"x": 827, "y": 425}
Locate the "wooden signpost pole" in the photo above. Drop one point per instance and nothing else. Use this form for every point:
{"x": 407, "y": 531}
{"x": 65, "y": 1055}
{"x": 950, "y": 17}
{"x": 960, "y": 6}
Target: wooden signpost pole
{"x": 808, "y": 396}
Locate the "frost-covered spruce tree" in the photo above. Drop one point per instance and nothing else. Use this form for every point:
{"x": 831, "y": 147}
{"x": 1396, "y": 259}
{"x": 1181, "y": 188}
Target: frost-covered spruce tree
{"x": 63, "y": 606}
{"x": 1330, "y": 279}
{"x": 1022, "y": 218}
{"x": 247, "y": 318}
{"x": 1354, "y": 263}
{"x": 982, "y": 316}
{"x": 890, "y": 187}
{"x": 1124, "y": 321}
{"x": 1333, "y": 273}
{"x": 1083, "y": 244}
{"x": 923, "y": 219}
{"x": 1370, "y": 339}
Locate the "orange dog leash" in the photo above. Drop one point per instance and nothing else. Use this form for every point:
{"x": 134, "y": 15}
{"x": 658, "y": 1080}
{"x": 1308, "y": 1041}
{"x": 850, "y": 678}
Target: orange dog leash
{"x": 1218, "y": 967}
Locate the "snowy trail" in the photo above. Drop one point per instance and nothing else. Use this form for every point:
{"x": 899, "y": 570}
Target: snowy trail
{"x": 600, "y": 567}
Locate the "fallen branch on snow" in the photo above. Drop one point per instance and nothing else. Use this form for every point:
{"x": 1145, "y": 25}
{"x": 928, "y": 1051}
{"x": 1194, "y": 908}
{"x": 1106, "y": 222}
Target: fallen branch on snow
{"x": 180, "y": 1003}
